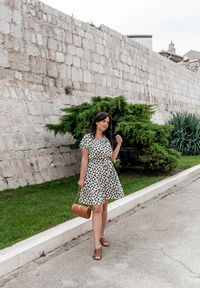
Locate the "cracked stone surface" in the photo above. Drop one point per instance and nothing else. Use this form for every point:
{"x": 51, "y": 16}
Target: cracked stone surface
{"x": 154, "y": 245}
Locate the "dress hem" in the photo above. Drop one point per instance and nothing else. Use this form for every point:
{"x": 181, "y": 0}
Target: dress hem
{"x": 112, "y": 198}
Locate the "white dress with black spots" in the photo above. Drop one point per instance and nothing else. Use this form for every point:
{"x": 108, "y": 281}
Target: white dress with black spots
{"x": 101, "y": 179}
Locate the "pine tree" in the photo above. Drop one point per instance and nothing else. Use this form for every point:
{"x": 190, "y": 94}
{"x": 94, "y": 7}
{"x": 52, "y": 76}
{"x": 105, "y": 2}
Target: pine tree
{"x": 144, "y": 143}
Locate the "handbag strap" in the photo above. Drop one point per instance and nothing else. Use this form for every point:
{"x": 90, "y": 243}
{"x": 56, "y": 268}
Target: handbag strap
{"x": 79, "y": 191}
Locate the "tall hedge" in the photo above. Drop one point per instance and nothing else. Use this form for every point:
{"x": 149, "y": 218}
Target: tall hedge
{"x": 144, "y": 143}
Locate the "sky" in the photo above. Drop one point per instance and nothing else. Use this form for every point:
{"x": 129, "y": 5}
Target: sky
{"x": 172, "y": 20}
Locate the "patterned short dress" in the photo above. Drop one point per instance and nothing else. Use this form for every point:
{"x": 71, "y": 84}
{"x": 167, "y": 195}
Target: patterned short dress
{"x": 101, "y": 179}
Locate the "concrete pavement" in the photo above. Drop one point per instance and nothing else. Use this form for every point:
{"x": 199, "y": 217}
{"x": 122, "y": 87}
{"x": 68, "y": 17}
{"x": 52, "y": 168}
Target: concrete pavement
{"x": 153, "y": 245}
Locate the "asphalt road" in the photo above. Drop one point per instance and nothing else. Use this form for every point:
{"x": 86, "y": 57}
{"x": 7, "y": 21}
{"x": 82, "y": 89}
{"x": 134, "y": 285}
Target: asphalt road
{"x": 154, "y": 245}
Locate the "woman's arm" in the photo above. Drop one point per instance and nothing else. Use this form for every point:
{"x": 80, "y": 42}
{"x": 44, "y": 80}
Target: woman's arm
{"x": 84, "y": 162}
{"x": 116, "y": 151}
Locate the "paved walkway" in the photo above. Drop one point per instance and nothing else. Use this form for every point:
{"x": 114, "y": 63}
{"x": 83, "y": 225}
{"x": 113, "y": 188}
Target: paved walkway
{"x": 155, "y": 245}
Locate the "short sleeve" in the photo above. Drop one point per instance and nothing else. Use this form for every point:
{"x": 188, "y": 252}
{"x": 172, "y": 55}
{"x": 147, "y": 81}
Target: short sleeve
{"x": 84, "y": 144}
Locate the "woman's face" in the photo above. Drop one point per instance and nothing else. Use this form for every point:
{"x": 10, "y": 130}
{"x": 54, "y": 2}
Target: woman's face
{"x": 103, "y": 124}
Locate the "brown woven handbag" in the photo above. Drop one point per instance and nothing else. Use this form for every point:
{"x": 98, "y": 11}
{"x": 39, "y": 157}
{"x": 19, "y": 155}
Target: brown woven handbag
{"x": 81, "y": 210}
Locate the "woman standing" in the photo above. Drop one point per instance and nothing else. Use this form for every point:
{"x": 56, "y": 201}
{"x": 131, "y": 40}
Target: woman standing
{"x": 98, "y": 178}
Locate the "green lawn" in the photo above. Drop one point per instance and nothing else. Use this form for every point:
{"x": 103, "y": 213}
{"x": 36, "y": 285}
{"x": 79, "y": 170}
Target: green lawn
{"x": 188, "y": 161}
{"x": 27, "y": 211}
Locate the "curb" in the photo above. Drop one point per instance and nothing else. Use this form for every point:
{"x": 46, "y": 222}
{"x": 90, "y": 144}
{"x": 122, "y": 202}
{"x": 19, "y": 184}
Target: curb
{"x": 25, "y": 251}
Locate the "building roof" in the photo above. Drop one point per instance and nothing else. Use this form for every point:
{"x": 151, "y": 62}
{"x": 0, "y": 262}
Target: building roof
{"x": 139, "y": 36}
{"x": 174, "y": 57}
{"x": 192, "y": 54}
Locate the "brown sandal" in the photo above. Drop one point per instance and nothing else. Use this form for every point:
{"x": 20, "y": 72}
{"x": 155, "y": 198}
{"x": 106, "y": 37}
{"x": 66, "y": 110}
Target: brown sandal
{"x": 104, "y": 242}
{"x": 97, "y": 254}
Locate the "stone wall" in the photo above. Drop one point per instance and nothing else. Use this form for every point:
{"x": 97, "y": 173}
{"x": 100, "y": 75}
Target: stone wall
{"x": 43, "y": 51}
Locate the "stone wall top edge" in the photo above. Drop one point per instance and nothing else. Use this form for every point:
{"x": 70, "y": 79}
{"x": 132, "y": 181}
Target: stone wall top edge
{"x": 61, "y": 15}
{"x": 70, "y": 19}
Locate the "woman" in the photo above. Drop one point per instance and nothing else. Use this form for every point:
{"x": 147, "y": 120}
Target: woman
{"x": 98, "y": 178}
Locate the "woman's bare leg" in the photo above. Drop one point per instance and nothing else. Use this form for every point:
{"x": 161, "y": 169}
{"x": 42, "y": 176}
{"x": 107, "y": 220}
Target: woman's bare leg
{"x": 104, "y": 218}
{"x": 97, "y": 224}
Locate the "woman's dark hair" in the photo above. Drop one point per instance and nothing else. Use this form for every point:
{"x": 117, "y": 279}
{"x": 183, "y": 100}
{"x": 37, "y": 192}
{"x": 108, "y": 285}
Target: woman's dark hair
{"x": 99, "y": 117}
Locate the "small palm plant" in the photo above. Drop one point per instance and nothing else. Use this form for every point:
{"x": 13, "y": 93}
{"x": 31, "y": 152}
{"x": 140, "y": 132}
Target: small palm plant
{"x": 185, "y": 137}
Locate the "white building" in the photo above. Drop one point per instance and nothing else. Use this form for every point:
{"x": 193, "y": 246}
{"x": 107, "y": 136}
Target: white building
{"x": 145, "y": 40}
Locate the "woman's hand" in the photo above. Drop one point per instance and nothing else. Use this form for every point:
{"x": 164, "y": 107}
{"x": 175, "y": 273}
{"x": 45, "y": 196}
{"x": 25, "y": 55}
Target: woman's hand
{"x": 118, "y": 139}
{"x": 81, "y": 183}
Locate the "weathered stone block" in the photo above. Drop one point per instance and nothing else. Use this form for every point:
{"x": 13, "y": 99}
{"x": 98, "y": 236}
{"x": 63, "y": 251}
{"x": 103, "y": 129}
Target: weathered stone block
{"x": 80, "y": 32}
{"x": 75, "y": 74}
{"x": 79, "y": 52}
{"x": 3, "y": 58}
{"x": 59, "y": 34}
{"x": 52, "y": 55}
{"x": 96, "y": 58}
{"x": 87, "y": 77}
{"x": 77, "y": 40}
{"x": 102, "y": 60}
{"x": 80, "y": 72}
{"x": 116, "y": 73}
{"x": 4, "y": 27}
{"x": 49, "y": 18}
{"x": 40, "y": 39}
{"x": 95, "y": 67}
{"x": 91, "y": 88}
{"x": 2, "y": 144}
{"x": 108, "y": 81}
{"x": 84, "y": 64}
{"x": 44, "y": 17}
{"x": 16, "y": 31}
{"x": 52, "y": 69}
{"x": 100, "y": 49}
{"x": 126, "y": 68}
{"x": 5, "y": 168}
{"x": 59, "y": 57}
{"x": 5, "y": 92}
{"x": 107, "y": 52}
{"x": 5, "y": 13}
{"x": 30, "y": 179}
{"x": 16, "y": 5}
{"x": 86, "y": 44}
{"x": 76, "y": 61}
{"x": 62, "y": 71}
{"x": 88, "y": 36}
{"x": 17, "y": 17}
{"x": 18, "y": 61}
{"x": 52, "y": 44}
{"x": 40, "y": 14}
{"x": 16, "y": 45}
{"x": 69, "y": 73}
{"x": 13, "y": 182}
{"x": 71, "y": 50}
{"x": 100, "y": 69}
{"x": 13, "y": 93}
{"x": 68, "y": 59}
{"x": 22, "y": 182}
{"x": 32, "y": 50}
{"x": 33, "y": 37}
{"x": 38, "y": 65}
{"x": 68, "y": 37}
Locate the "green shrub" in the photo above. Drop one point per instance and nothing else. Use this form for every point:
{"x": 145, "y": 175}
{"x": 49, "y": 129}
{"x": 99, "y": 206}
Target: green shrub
{"x": 144, "y": 142}
{"x": 185, "y": 136}
{"x": 158, "y": 158}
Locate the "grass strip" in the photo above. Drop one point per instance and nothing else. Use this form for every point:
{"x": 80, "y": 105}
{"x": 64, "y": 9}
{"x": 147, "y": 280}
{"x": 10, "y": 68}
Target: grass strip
{"x": 29, "y": 210}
